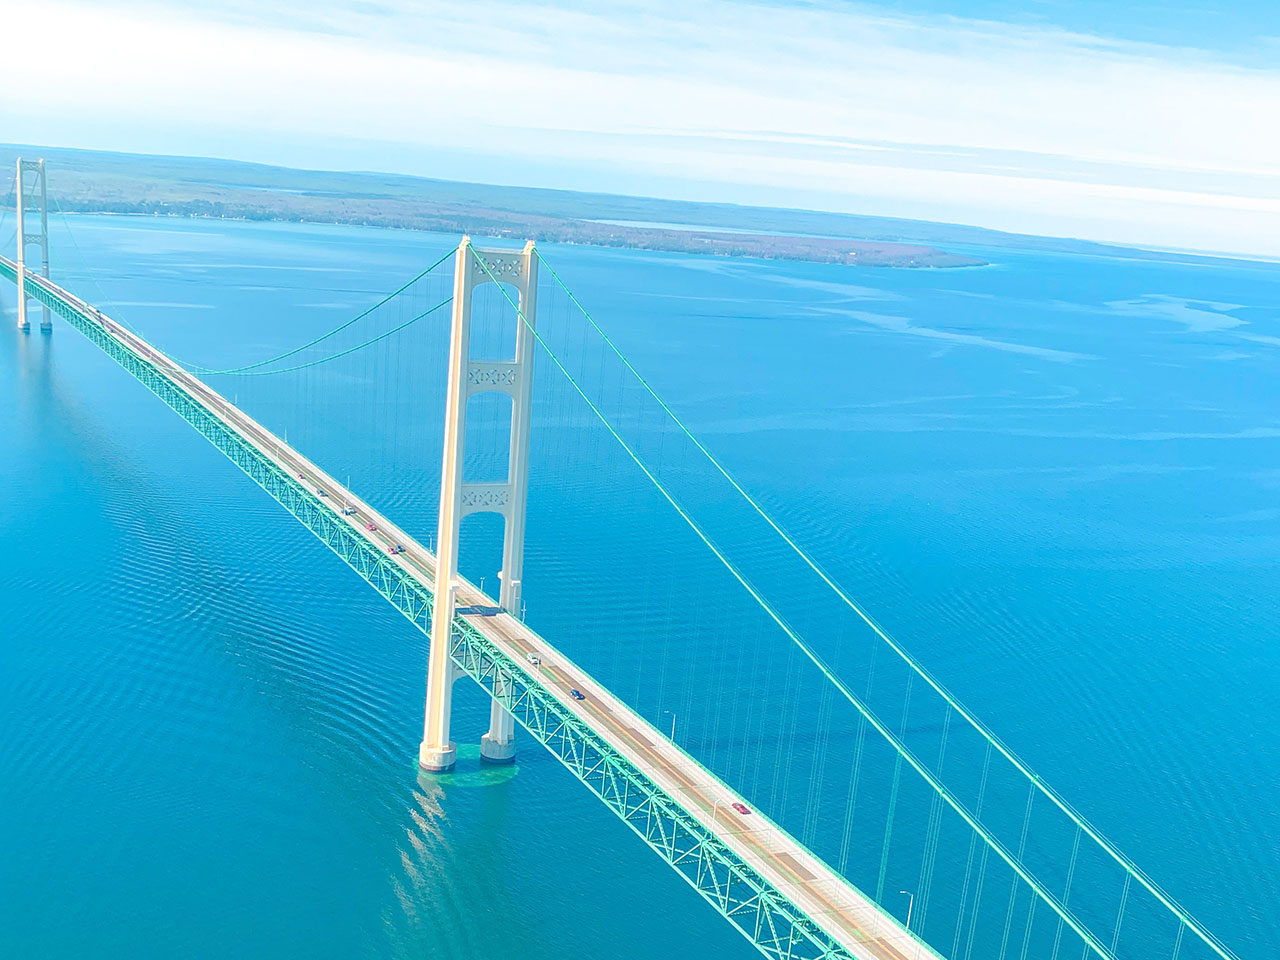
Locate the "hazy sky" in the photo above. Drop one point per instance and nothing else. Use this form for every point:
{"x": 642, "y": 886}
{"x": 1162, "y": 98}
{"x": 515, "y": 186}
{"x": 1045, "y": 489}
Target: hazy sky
{"x": 1145, "y": 123}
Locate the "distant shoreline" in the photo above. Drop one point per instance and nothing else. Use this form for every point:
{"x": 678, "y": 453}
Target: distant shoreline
{"x": 99, "y": 181}
{"x": 96, "y": 182}
{"x": 276, "y": 207}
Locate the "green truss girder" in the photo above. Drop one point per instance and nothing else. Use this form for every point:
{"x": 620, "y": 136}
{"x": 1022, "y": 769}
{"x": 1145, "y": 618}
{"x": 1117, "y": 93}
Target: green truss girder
{"x": 761, "y": 912}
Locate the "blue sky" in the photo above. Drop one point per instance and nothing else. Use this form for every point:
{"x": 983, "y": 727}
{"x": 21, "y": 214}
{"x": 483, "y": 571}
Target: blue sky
{"x": 1248, "y": 30}
{"x": 1140, "y": 123}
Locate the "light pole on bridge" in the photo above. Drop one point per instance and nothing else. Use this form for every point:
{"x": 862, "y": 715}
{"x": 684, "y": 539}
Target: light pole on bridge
{"x": 910, "y": 903}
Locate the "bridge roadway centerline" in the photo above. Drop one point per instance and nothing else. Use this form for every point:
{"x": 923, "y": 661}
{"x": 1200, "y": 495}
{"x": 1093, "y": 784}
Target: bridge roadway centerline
{"x": 849, "y": 916}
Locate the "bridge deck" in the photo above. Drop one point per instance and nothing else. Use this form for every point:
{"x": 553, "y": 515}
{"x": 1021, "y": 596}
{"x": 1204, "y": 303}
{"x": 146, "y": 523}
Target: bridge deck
{"x": 851, "y": 919}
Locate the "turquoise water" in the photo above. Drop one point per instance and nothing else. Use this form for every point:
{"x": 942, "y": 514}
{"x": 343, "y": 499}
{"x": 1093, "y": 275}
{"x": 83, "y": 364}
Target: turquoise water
{"x": 1053, "y": 477}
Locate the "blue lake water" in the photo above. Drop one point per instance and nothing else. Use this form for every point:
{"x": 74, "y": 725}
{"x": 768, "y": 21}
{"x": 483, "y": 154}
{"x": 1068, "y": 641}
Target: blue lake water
{"x": 1054, "y": 478}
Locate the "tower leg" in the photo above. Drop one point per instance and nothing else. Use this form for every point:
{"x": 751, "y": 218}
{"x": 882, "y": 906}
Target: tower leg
{"x": 23, "y": 322}
{"x": 498, "y": 745}
{"x": 437, "y": 752}
{"x": 46, "y": 318}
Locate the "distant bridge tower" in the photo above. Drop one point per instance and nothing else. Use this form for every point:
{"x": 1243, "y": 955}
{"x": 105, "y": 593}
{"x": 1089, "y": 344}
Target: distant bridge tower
{"x": 458, "y": 498}
{"x": 37, "y": 200}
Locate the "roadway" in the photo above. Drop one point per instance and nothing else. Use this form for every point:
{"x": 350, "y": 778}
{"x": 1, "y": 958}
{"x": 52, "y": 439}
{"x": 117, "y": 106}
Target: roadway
{"x": 851, "y": 918}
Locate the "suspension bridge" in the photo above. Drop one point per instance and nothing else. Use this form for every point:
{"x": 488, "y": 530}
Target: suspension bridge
{"x": 902, "y": 780}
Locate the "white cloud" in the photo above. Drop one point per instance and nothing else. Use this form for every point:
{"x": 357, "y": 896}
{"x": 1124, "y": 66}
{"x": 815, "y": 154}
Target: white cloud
{"x": 844, "y": 108}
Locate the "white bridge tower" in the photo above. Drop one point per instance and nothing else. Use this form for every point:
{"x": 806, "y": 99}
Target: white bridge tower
{"x": 36, "y": 197}
{"x": 458, "y": 498}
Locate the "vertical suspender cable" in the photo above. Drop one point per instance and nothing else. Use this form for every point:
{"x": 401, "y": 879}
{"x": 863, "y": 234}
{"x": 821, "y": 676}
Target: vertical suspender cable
{"x": 1126, "y": 864}
{"x": 992, "y": 842}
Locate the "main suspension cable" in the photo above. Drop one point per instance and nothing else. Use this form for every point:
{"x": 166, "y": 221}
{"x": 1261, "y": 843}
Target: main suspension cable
{"x": 248, "y": 372}
{"x": 1092, "y": 943}
{"x": 324, "y": 336}
{"x": 986, "y": 733}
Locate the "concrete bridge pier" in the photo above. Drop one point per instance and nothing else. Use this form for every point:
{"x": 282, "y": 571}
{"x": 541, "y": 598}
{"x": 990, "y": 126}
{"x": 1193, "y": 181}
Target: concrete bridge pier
{"x": 458, "y": 498}
{"x": 498, "y": 745}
